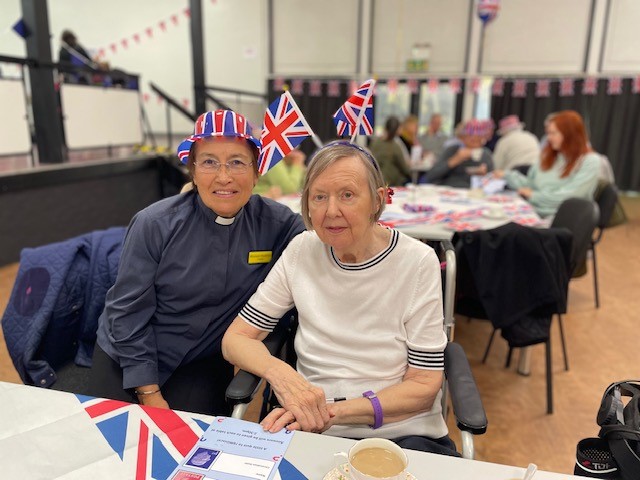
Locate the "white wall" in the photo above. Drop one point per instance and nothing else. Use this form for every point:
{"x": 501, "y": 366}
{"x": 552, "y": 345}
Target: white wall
{"x": 398, "y": 24}
{"x": 545, "y": 37}
{"x": 622, "y": 47}
{"x": 315, "y": 37}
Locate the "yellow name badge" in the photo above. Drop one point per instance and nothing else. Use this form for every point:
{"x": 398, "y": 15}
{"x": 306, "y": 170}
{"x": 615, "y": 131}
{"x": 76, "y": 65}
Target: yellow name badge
{"x": 261, "y": 256}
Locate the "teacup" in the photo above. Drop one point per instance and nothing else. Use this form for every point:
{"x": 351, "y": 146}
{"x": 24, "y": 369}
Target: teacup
{"x": 376, "y": 459}
{"x": 476, "y": 154}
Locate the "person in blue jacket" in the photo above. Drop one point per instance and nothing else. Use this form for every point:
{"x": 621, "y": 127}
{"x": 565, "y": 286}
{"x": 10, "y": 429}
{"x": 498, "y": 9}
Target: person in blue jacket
{"x": 189, "y": 264}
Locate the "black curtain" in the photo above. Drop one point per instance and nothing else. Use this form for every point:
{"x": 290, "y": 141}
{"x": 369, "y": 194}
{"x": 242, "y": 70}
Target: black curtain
{"x": 612, "y": 121}
{"x": 319, "y": 109}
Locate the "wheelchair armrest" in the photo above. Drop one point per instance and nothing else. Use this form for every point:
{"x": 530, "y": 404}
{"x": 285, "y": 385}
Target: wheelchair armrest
{"x": 465, "y": 397}
{"x": 244, "y": 385}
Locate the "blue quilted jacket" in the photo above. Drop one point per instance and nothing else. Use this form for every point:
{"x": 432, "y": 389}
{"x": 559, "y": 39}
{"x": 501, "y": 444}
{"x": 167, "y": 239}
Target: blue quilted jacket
{"x": 52, "y": 315}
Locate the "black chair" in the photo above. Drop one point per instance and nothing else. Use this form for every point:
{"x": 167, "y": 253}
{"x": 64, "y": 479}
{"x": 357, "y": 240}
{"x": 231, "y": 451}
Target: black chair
{"x": 581, "y": 218}
{"x": 460, "y": 385}
{"x": 606, "y": 198}
{"x": 517, "y": 277}
{"x": 523, "y": 169}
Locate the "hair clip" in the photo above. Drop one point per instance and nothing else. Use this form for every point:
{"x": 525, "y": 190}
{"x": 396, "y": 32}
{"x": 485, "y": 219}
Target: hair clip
{"x": 390, "y": 194}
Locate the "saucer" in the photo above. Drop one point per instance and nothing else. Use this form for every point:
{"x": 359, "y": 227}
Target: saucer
{"x": 340, "y": 473}
{"x": 494, "y": 216}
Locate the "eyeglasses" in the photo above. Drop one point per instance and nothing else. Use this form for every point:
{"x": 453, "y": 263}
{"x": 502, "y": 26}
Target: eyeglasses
{"x": 235, "y": 167}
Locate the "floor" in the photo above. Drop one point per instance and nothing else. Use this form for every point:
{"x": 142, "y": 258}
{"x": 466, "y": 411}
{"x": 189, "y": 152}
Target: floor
{"x": 601, "y": 344}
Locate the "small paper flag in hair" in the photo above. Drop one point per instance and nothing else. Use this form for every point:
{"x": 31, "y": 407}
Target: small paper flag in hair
{"x": 349, "y": 114}
{"x": 284, "y": 129}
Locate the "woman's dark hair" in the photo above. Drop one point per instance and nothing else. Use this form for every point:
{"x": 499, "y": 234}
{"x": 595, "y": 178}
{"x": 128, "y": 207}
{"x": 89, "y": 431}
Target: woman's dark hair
{"x": 69, "y": 38}
{"x": 391, "y": 126}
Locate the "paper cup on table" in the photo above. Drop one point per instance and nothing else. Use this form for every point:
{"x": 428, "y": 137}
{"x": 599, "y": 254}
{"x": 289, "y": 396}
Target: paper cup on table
{"x": 375, "y": 459}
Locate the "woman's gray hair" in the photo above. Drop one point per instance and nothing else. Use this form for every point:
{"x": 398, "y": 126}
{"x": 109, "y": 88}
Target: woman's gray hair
{"x": 327, "y": 156}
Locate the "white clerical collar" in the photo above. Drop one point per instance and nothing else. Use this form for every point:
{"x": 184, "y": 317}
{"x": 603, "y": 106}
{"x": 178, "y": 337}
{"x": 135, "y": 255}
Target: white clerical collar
{"x": 224, "y": 221}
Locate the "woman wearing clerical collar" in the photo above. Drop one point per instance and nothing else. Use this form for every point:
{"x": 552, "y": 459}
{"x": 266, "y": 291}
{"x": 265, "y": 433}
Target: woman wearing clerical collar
{"x": 189, "y": 263}
{"x": 369, "y": 302}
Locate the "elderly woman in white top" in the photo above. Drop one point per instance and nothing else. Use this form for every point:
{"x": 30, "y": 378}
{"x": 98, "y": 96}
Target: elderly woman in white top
{"x": 567, "y": 167}
{"x": 369, "y": 301}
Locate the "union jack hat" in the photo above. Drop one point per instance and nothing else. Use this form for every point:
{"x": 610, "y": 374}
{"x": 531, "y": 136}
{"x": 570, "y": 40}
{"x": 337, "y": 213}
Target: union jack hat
{"x": 220, "y": 123}
{"x": 474, "y": 127}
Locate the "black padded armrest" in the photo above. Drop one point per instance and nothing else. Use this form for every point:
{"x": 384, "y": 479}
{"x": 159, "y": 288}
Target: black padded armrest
{"x": 465, "y": 397}
{"x": 244, "y": 384}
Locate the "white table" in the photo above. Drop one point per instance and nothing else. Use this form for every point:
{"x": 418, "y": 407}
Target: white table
{"x": 46, "y": 434}
{"x": 445, "y": 200}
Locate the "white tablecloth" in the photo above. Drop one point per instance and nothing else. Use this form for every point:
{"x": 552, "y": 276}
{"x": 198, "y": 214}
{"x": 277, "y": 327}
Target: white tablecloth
{"x": 46, "y": 434}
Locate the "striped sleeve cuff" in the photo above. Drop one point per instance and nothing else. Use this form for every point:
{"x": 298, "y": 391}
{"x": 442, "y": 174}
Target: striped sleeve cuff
{"x": 258, "y": 319}
{"x": 426, "y": 360}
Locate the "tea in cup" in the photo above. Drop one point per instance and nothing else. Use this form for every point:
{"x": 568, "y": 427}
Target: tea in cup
{"x": 376, "y": 459}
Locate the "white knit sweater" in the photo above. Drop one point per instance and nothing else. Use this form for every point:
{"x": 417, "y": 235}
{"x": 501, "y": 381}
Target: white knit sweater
{"x": 360, "y": 325}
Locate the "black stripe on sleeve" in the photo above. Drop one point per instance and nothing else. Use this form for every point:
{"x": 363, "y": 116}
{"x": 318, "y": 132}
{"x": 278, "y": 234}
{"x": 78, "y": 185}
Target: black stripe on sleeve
{"x": 429, "y": 360}
{"x": 258, "y": 319}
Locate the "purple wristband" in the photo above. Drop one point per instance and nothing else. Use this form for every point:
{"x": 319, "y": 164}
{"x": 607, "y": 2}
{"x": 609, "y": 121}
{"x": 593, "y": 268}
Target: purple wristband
{"x": 377, "y": 409}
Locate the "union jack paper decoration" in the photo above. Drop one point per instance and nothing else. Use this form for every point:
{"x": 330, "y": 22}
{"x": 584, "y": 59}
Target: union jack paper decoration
{"x": 315, "y": 88}
{"x": 497, "y": 89}
{"x": 114, "y": 47}
{"x": 519, "y": 88}
{"x": 149, "y": 32}
{"x": 187, "y": 12}
{"x": 278, "y": 84}
{"x": 475, "y": 85}
{"x": 590, "y": 86}
{"x": 174, "y": 19}
{"x": 614, "y": 86}
{"x": 297, "y": 86}
{"x": 566, "y": 87}
{"x": 125, "y": 43}
{"x": 150, "y": 442}
{"x": 101, "y": 52}
{"x": 636, "y": 85}
{"x": 455, "y": 85}
{"x": 392, "y": 85}
{"x": 346, "y": 117}
{"x": 333, "y": 88}
{"x": 412, "y": 85}
{"x": 543, "y": 88}
{"x": 284, "y": 129}
{"x": 433, "y": 85}
{"x": 136, "y": 37}
{"x": 163, "y": 25}
{"x": 488, "y": 10}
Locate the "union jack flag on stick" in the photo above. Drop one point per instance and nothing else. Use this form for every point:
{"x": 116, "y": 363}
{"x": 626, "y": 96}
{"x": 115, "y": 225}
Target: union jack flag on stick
{"x": 351, "y": 114}
{"x": 284, "y": 129}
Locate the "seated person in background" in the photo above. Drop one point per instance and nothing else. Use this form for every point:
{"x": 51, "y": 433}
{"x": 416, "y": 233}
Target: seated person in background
{"x": 567, "y": 167}
{"x": 189, "y": 263}
{"x": 284, "y": 178}
{"x": 455, "y": 139}
{"x": 73, "y": 54}
{"x": 516, "y": 147}
{"x": 389, "y": 154}
{"x": 369, "y": 301}
{"x": 433, "y": 141}
{"x": 457, "y": 163}
{"x": 408, "y": 136}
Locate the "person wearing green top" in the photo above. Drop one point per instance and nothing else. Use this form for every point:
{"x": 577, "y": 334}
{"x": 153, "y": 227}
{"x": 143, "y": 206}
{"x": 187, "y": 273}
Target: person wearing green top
{"x": 284, "y": 178}
{"x": 389, "y": 155}
{"x": 567, "y": 167}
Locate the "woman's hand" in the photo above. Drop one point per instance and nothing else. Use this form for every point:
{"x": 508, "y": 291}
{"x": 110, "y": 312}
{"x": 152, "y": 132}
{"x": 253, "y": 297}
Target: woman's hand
{"x": 460, "y": 156}
{"x": 153, "y": 400}
{"x": 525, "y": 192}
{"x": 280, "y": 418}
{"x": 305, "y": 403}
{"x": 498, "y": 173}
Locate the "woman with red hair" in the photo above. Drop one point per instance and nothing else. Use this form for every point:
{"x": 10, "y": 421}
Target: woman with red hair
{"x": 567, "y": 167}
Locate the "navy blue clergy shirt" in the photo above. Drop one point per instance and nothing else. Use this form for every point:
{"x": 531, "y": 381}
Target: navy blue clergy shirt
{"x": 183, "y": 277}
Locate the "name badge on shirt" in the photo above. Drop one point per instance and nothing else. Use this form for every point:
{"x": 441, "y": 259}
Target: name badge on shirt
{"x": 260, "y": 256}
